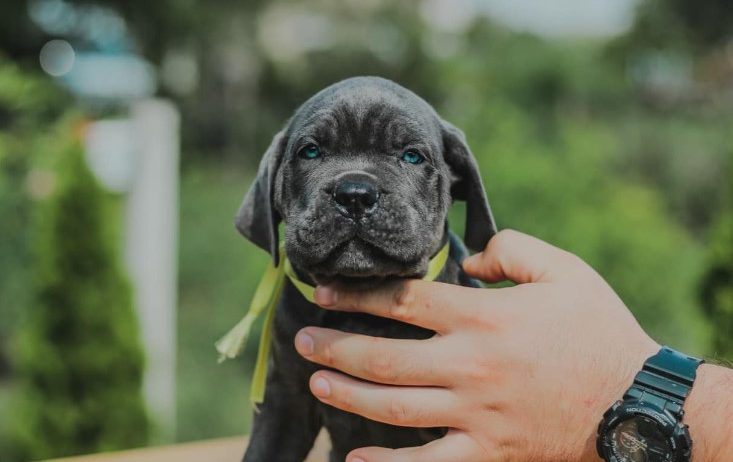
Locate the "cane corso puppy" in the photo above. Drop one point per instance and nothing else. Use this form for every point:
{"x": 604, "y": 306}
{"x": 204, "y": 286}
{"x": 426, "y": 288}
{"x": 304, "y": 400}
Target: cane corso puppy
{"x": 362, "y": 177}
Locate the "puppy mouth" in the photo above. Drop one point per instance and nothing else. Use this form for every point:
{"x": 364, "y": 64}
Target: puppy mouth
{"x": 360, "y": 263}
{"x": 353, "y": 282}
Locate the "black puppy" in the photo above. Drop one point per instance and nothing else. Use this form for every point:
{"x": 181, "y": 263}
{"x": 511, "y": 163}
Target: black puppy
{"x": 362, "y": 177}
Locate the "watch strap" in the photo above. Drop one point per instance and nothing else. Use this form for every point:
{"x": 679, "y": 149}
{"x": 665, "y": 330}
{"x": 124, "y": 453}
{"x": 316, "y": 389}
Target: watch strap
{"x": 666, "y": 376}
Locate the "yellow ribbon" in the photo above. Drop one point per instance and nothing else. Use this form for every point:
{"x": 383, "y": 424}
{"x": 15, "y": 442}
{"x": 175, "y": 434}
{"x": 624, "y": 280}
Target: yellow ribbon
{"x": 265, "y": 300}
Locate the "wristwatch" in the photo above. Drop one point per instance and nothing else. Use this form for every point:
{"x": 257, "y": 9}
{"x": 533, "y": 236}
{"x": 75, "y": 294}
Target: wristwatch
{"x": 646, "y": 426}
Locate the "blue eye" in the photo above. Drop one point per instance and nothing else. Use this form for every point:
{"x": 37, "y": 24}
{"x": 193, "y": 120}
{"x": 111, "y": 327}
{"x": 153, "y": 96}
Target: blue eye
{"x": 310, "y": 151}
{"x": 412, "y": 157}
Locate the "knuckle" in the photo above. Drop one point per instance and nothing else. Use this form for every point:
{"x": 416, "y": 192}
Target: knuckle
{"x": 500, "y": 251}
{"x": 403, "y": 300}
{"x": 495, "y": 451}
{"x": 399, "y": 413}
{"x": 326, "y": 355}
{"x": 381, "y": 366}
{"x": 344, "y": 397}
{"x": 353, "y": 301}
{"x": 502, "y": 239}
{"x": 476, "y": 373}
{"x": 483, "y": 369}
{"x": 481, "y": 320}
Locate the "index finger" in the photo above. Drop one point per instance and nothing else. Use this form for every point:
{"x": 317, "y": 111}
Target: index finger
{"x": 432, "y": 305}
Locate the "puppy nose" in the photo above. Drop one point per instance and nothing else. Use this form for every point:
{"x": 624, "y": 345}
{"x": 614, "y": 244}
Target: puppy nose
{"x": 355, "y": 197}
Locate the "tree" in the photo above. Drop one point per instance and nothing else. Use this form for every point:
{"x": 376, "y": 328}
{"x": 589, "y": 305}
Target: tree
{"x": 562, "y": 189}
{"x": 78, "y": 360}
{"x": 717, "y": 288}
{"x": 682, "y": 24}
{"x": 29, "y": 105}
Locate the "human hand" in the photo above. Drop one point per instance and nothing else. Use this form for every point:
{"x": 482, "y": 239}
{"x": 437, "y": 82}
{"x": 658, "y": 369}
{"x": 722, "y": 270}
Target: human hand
{"x": 523, "y": 373}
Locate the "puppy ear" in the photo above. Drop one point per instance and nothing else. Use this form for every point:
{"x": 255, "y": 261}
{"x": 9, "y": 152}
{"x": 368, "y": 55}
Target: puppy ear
{"x": 467, "y": 186}
{"x": 257, "y": 218}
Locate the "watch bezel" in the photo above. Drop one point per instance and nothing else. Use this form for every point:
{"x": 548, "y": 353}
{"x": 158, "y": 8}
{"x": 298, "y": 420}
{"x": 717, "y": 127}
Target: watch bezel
{"x": 676, "y": 433}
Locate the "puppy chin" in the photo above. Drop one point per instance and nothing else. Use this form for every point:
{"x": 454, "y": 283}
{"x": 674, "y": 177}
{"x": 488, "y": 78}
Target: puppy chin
{"x": 362, "y": 265}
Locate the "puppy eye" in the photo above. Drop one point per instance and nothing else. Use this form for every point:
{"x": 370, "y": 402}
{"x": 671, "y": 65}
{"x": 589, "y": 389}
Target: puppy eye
{"x": 412, "y": 157}
{"x": 310, "y": 151}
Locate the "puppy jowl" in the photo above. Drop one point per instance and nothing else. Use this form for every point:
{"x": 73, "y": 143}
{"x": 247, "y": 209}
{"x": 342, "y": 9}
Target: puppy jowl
{"x": 362, "y": 177}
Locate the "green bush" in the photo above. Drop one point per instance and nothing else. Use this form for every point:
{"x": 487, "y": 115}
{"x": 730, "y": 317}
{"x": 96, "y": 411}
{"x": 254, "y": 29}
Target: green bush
{"x": 563, "y": 188}
{"x": 717, "y": 288}
{"x": 29, "y": 105}
{"x": 78, "y": 360}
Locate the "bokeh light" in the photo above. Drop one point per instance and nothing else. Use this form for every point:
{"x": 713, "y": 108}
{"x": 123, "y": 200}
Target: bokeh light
{"x": 57, "y": 57}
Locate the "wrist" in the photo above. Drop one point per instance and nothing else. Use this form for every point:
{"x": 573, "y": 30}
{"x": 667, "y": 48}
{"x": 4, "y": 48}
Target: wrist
{"x": 709, "y": 414}
{"x": 648, "y": 421}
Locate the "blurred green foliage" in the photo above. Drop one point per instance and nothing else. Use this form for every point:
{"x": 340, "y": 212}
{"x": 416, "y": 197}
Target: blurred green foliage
{"x": 78, "y": 360}
{"x": 565, "y": 191}
{"x": 682, "y": 23}
{"x": 219, "y": 271}
{"x": 717, "y": 288}
{"x": 71, "y": 361}
{"x": 28, "y": 106}
{"x": 614, "y": 150}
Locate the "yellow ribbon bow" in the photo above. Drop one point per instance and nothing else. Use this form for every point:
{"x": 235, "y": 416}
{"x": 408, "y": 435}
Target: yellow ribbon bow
{"x": 265, "y": 300}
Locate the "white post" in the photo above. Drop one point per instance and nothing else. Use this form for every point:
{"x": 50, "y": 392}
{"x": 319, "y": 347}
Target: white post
{"x": 151, "y": 251}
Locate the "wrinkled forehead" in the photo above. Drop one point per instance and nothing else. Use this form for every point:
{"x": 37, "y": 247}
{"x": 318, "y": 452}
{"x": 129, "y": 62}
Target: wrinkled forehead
{"x": 366, "y": 117}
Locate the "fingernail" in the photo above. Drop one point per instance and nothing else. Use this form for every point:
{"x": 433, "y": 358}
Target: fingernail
{"x": 357, "y": 460}
{"x": 325, "y": 296}
{"x": 304, "y": 343}
{"x": 321, "y": 388}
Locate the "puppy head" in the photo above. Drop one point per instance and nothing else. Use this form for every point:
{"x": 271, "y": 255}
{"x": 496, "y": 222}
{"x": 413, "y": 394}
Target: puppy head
{"x": 362, "y": 176}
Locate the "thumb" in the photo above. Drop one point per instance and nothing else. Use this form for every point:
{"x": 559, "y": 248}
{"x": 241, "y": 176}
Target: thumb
{"x": 518, "y": 257}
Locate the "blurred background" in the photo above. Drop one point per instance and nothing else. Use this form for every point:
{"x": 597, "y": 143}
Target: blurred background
{"x": 130, "y": 130}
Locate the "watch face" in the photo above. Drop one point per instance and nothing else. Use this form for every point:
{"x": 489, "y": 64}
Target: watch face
{"x": 639, "y": 439}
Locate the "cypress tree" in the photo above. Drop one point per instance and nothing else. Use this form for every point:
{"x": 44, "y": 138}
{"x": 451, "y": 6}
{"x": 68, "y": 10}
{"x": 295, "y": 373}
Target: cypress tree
{"x": 30, "y": 110}
{"x": 79, "y": 358}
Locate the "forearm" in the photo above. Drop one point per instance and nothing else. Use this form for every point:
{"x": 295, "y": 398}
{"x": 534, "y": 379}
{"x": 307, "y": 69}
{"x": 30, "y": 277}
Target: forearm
{"x": 709, "y": 414}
